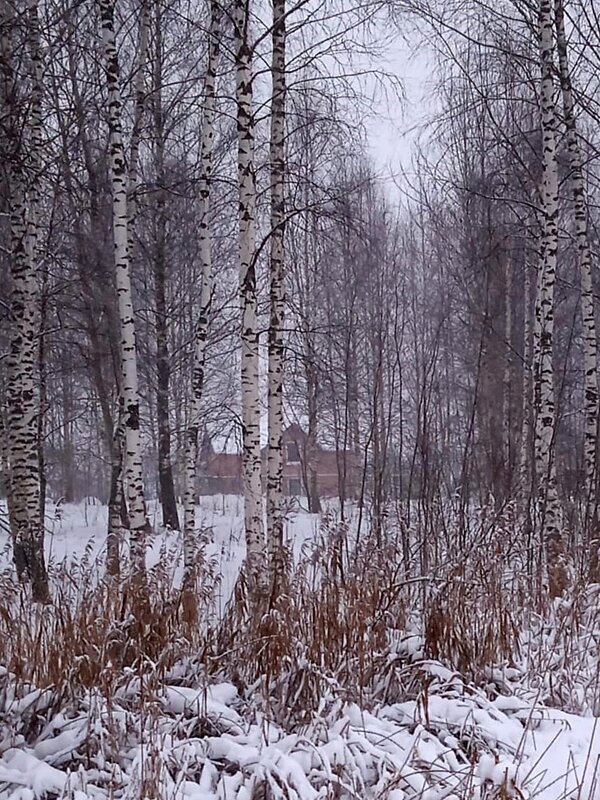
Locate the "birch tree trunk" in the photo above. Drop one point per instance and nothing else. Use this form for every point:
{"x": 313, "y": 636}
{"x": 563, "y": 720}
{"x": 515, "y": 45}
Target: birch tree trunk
{"x": 544, "y": 404}
{"x": 525, "y": 485}
{"x": 201, "y": 331}
{"x": 251, "y": 456}
{"x": 507, "y": 379}
{"x": 117, "y": 505}
{"x": 590, "y": 441}
{"x": 276, "y": 347}
{"x": 119, "y": 180}
{"x": 23, "y": 390}
{"x": 41, "y": 268}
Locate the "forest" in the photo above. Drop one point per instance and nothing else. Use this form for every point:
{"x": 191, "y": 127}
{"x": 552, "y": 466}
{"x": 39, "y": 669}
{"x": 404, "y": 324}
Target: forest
{"x": 299, "y": 403}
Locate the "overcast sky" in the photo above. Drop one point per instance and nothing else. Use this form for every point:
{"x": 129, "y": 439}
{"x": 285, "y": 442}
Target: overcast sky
{"x": 392, "y": 138}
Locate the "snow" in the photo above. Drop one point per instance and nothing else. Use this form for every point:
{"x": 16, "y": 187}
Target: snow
{"x": 363, "y": 753}
{"x": 76, "y": 534}
{"x": 451, "y": 743}
{"x": 25, "y": 770}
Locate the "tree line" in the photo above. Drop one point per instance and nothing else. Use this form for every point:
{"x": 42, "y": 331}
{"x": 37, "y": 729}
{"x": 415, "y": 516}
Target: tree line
{"x": 195, "y": 239}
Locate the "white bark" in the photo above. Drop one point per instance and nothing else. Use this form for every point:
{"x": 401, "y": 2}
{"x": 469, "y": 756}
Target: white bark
{"x": 23, "y": 398}
{"x": 114, "y": 527}
{"x": 585, "y": 262}
{"x": 119, "y": 179}
{"x": 251, "y": 457}
{"x": 201, "y": 332}
{"x": 544, "y": 406}
{"x": 276, "y": 346}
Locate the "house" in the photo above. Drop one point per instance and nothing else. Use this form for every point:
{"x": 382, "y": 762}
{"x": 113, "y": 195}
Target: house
{"x": 221, "y": 473}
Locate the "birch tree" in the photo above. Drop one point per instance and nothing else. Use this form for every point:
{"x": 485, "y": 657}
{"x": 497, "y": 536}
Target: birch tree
{"x": 204, "y": 242}
{"x": 23, "y": 389}
{"x": 117, "y": 502}
{"x": 544, "y": 400}
{"x": 129, "y": 389}
{"x": 251, "y": 456}
{"x": 276, "y": 348}
{"x": 590, "y": 346}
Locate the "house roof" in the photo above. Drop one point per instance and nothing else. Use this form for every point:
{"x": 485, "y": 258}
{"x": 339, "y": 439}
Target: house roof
{"x": 231, "y": 461}
{"x": 294, "y": 431}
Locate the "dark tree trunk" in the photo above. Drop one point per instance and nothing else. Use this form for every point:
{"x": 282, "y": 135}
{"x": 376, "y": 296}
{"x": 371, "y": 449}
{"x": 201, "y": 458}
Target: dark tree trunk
{"x": 312, "y": 487}
{"x": 165, "y": 470}
{"x": 163, "y": 367}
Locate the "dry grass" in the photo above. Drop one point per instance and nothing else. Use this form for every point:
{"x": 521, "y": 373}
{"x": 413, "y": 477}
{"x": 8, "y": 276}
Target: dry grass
{"x": 340, "y": 609}
{"x": 97, "y": 628}
{"x": 475, "y": 612}
{"x": 351, "y": 623}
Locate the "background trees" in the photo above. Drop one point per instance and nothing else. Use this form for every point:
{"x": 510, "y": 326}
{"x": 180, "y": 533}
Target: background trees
{"x": 442, "y": 341}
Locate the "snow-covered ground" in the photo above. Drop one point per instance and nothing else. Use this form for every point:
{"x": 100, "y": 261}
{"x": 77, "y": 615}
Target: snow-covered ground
{"x": 208, "y": 744}
{"x": 186, "y": 737}
{"x": 75, "y": 532}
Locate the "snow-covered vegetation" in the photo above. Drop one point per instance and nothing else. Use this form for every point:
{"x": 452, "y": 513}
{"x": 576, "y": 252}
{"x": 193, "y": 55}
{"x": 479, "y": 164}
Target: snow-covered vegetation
{"x": 360, "y": 683}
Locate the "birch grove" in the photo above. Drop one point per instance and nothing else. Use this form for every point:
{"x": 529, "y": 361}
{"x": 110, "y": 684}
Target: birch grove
{"x": 299, "y": 403}
{"x": 220, "y": 283}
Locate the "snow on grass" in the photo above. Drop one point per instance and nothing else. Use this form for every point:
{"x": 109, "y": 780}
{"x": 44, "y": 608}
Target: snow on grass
{"x": 210, "y": 744}
{"x": 177, "y": 734}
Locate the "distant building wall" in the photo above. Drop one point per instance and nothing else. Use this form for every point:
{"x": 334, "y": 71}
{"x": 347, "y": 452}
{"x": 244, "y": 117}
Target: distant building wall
{"x": 221, "y": 473}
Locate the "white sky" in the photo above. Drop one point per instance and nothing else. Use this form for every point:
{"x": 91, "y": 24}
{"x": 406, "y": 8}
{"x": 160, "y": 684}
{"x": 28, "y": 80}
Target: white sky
{"x": 394, "y": 131}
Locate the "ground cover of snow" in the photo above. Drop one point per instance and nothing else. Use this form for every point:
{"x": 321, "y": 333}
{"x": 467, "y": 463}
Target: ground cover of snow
{"x": 78, "y": 531}
{"x": 208, "y": 744}
{"x": 185, "y": 737}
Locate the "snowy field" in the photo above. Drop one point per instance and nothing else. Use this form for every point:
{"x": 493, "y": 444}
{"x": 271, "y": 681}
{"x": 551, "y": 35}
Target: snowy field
{"x": 75, "y": 532}
{"x": 209, "y": 743}
{"x": 425, "y": 734}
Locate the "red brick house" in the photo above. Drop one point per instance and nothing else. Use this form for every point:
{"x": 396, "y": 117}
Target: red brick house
{"x": 221, "y": 473}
